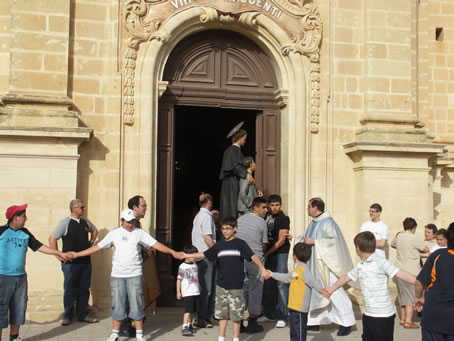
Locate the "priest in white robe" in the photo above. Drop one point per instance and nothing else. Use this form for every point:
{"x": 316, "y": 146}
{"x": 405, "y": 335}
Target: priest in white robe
{"x": 330, "y": 260}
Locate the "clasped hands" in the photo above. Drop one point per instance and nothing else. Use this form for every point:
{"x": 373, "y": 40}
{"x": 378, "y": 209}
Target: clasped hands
{"x": 325, "y": 292}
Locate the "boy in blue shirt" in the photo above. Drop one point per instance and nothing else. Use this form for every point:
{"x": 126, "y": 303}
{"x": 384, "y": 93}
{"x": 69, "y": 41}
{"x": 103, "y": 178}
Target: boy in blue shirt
{"x": 14, "y": 240}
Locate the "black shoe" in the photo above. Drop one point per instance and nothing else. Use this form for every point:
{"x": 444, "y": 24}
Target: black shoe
{"x": 313, "y": 328}
{"x": 201, "y": 324}
{"x": 243, "y": 329}
{"x": 129, "y": 332}
{"x": 344, "y": 331}
{"x": 253, "y": 327}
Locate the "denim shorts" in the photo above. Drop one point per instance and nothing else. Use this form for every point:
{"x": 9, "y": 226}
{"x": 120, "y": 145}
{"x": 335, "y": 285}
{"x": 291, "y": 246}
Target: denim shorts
{"x": 13, "y": 297}
{"x": 130, "y": 288}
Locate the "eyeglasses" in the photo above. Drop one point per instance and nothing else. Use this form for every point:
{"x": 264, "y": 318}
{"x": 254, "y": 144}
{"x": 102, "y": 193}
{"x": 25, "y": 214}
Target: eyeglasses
{"x": 226, "y": 228}
{"x": 81, "y": 207}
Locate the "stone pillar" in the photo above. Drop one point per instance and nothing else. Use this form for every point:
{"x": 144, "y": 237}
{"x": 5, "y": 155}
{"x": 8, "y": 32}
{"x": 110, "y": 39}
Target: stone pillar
{"x": 39, "y": 134}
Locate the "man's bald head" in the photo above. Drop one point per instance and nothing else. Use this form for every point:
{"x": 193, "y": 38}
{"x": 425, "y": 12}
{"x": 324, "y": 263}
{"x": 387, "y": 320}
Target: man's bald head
{"x": 206, "y": 201}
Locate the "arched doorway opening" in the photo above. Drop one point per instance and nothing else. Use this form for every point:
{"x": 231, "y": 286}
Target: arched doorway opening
{"x": 216, "y": 79}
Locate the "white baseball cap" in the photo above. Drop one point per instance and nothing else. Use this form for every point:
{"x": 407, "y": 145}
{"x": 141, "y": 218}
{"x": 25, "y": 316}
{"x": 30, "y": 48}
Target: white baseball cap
{"x": 127, "y": 214}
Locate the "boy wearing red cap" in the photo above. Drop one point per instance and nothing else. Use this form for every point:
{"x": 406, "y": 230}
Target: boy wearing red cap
{"x": 14, "y": 239}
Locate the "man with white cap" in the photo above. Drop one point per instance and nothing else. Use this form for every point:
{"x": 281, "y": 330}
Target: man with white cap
{"x": 14, "y": 239}
{"x": 126, "y": 276}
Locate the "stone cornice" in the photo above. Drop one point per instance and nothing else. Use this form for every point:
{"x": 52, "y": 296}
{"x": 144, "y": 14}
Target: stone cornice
{"x": 16, "y": 98}
{"x": 81, "y": 133}
{"x": 393, "y": 147}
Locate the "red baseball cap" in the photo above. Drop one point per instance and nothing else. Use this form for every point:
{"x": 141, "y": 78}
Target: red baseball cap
{"x": 10, "y": 211}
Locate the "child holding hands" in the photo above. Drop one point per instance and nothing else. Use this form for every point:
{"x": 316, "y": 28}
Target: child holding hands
{"x": 301, "y": 284}
{"x": 373, "y": 272}
{"x": 188, "y": 289}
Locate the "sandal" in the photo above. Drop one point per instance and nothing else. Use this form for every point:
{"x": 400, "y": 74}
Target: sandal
{"x": 410, "y": 325}
{"x": 402, "y": 322}
{"x": 209, "y": 325}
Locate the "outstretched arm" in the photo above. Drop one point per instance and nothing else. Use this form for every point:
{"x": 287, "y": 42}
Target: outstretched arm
{"x": 164, "y": 249}
{"x": 257, "y": 262}
{"x": 48, "y": 251}
{"x": 419, "y": 297}
{"x": 405, "y": 276}
{"x": 87, "y": 252}
{"x": 339, "y": 283}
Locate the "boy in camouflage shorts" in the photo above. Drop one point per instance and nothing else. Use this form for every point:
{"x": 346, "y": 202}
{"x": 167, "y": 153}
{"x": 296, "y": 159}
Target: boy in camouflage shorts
{"x": 230, "y": 254}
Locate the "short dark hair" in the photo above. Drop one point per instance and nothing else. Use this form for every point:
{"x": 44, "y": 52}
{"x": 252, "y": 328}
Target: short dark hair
{"x": 432, "y": 227}
{"x": 274, "y": 198}
{"x": 204, "y": 198}
{"x": 451, "y": 236}
{"x": 258, "y": 201}
{"x": 365, "y": 241}
{"x": 302, "y": 252}
{"x": 231, "y": 221}
{"x": 238, "y": 134}
{"x": 318, "y": 202}
{"x": 376, "y": 207}
{"x": 134, "y": 201}
{"x": 190, "y": 249}
{"x": 442, "y": 232}
{"x": 247, "y": 161}
{"x": 409, "y": 223}
{"x": 17, "y": 213}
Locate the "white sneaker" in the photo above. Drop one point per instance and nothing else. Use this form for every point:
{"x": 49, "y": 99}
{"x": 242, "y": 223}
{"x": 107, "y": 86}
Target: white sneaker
{"x": 264, "y": 319}
{"x": 113, "y": 337}
{"x": 281, "y": 324}
{"x": 17, "y": 339}
{"x": 140, "y": 338}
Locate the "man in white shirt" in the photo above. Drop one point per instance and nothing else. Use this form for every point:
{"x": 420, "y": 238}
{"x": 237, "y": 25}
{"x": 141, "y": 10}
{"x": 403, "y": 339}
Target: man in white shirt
{"x": 204, "y": 237}
{"x": 126, "y": 277}
{"x": 378, "y": 228}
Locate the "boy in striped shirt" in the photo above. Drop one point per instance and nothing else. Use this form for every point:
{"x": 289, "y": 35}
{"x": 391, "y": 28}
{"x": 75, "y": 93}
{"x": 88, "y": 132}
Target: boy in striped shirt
{"x": 373, "y": 272}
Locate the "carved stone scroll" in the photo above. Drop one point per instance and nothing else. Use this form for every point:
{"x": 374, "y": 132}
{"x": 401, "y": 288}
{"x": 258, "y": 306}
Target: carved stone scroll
{"x": 133, "y": 12}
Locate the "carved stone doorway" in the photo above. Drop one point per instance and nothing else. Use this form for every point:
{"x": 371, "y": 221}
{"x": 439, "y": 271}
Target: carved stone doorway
{"x": 216, "y": 79}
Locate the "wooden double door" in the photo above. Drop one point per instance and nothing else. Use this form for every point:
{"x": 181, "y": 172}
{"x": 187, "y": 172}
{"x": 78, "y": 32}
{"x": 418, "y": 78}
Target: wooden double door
{"x": 216, "y": 80}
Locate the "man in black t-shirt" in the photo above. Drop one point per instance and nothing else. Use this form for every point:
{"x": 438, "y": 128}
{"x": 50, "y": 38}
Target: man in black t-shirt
{"x": 275, "y": 294}
{"x": 74, "y": 232}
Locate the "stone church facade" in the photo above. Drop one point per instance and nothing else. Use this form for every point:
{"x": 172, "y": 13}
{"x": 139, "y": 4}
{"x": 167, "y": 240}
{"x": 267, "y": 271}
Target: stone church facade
{"x": 352, "y": 101}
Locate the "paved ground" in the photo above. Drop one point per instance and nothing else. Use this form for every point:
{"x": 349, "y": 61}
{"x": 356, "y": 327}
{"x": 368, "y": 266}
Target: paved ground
{"x": 164, "y": 325}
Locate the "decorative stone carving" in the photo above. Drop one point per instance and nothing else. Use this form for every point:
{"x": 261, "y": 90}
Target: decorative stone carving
{"x": 308, "y": 44}
{"x": 133, "y": 12}
{"x": 300, "y": 18}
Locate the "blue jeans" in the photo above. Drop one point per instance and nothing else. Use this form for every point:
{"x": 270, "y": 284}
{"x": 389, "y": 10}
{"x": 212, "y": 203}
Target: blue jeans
{"x": 127, "y": 289}
{"x": 13, "y": 297}
{"x": 206, "y": 273}
{"x": 298, "y": 326}
{"x": 76, "y": 286}
{"x": 275, "y": 293}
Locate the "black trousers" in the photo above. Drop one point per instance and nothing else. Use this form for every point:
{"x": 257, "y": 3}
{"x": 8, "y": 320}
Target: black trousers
{"x": 298, "y": 325}
{"x": 427, "y": 335}
{"x": 378, "y": 328}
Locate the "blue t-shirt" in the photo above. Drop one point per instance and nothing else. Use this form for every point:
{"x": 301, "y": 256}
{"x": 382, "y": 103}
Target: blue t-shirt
{"x": 13, "y": 247}
{"x": 230, "y": 256}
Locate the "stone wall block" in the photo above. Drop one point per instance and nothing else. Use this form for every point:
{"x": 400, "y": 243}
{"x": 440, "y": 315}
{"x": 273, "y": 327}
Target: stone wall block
{"x": 58, "y": 24}
{"x": 90, "y": 11}
{"x": 30, "y": 22}
{"x": 28, "y": 61}
{"x": 40, "y": 42}
{"x": 35, "y": 82}
{"x": 377, "y": 51}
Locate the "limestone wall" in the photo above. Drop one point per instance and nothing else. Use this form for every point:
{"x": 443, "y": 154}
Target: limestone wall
{"x": 386, "y": 113}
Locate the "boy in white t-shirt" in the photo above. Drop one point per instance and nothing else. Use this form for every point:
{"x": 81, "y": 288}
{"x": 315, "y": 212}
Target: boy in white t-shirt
{"x": 378, "y": 228}
{"x": 126, "y": 277}
{"x": 373, "y": 272}
{"x": 188, "y": 289}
